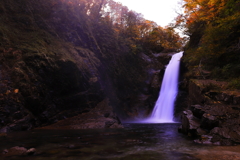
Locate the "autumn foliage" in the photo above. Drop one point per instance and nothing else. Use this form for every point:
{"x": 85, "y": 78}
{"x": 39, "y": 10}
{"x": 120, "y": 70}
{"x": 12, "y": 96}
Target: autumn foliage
{"x": 214, "y": 30}
{"x": 140, "y": 34}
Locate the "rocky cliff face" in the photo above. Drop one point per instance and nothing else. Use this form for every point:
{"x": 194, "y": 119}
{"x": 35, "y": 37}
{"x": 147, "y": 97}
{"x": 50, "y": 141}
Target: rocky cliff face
{"x": 139, "y": 105}
{"x": 213, "y": 114}
{"x": 55, "y": 63}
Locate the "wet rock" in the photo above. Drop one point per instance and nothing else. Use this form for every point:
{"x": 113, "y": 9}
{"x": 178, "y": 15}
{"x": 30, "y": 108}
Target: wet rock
{"x": 219, "y": 123}
{"x": 217, "y": 112}
{"x": 18, "y": 151}
{"x": 209, "y": 121}
{"x": 224, "y": 132}
{"x": 31, "y": 151}
{"x": 204, "y": 139}
{"x": 22, "y": 124}
{"x": 214, "y": 140}
{"x": 231, "y": 133}
{"x": 190, "y": 124}
{"x": 197, "y": 110}
{"x": 5, "y": 151}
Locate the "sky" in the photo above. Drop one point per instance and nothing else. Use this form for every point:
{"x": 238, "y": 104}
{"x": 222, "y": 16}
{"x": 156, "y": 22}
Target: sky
{"x": 162, "y": 12}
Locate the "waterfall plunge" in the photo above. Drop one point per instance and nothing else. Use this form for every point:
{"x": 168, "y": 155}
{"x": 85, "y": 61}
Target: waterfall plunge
{"x": 164, "y": 108}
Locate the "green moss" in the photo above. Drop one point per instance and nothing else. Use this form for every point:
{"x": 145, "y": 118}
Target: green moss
{"x": 234, "y": 84}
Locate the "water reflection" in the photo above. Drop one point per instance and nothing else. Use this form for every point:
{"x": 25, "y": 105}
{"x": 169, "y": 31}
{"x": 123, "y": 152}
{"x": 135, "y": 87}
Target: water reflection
{"x": 135, "y": 141}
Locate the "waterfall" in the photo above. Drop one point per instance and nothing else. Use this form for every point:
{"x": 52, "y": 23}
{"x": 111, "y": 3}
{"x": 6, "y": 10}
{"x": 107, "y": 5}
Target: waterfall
{"x": 164, "y": 108}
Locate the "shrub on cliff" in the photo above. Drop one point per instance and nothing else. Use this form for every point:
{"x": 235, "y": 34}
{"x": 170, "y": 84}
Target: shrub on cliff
{"x": 213, "y": 27}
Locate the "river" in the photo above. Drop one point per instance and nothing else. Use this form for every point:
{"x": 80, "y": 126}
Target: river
{"x": 134, "y": 142}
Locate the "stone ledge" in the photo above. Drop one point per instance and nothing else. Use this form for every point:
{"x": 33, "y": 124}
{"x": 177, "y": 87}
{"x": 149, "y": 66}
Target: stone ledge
{"x": 212, "y": 124}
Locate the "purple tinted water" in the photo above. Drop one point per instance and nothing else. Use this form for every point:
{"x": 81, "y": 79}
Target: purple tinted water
{"x": 164, "y": 107}
{"x": 134, "y": 142}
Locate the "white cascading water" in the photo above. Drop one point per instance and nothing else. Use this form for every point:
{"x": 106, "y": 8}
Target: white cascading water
{"x": 164, "y": 108}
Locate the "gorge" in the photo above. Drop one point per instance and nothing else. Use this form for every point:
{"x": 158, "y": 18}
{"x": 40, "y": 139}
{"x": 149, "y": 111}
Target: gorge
{"x": 74, "y": 72}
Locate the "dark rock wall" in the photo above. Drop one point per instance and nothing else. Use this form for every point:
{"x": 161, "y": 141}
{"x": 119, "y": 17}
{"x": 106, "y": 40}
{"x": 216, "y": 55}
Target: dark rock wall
{"x": 56, "y": 64}
{"x": 213, "y": 115}
{"x": 182, "y": 100}
{"x": 139, "y": 105}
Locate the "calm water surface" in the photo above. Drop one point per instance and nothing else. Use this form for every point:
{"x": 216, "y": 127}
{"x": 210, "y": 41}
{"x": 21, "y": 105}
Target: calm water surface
{"x": 134, "y": 142}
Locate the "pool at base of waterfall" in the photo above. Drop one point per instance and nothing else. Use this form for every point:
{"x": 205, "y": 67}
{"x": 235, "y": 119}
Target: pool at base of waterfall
{"x": 134, "y": 142}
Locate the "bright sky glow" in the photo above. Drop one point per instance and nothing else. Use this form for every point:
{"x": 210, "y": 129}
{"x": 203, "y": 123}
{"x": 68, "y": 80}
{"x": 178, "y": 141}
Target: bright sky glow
{"x": 162, "y": 12}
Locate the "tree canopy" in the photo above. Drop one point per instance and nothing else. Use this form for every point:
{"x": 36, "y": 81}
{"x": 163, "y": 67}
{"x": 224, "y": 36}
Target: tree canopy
{"x": 213, "y": 28}
{"x": 141, "y": 35}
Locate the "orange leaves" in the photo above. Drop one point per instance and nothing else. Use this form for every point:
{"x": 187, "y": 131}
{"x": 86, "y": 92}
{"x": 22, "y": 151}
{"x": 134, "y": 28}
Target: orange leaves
{"x": 204, "y": 10}
{"x": 9, "y": 91}
{"x": 16, "y": 91}
{"x": 208, "y": 11}
{"x": 213, "y": 26}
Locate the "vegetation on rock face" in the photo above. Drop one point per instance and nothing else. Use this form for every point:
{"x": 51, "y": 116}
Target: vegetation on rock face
{"x": 60, "y": 55}
{"x": 212, "y": 57}
{"x": 213, "y": 28}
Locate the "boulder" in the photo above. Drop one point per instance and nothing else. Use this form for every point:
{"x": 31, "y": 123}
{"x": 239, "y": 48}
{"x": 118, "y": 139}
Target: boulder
{"x": 190, "y": 124}
{"x": 212, "y": 124}
{"x": 197, "y": 110}
{"x": 18, "y": 151}
{"x": 209, "y": 121}
{"x": 232, "y": 133}
{"x": 102, "y": 116}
